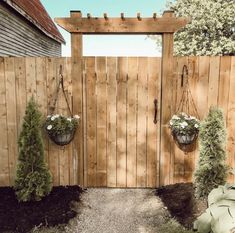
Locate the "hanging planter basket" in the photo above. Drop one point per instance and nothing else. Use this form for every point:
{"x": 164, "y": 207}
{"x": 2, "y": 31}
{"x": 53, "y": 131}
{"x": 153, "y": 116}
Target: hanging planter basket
{"x": 184, "y": 139}
{"x": 184, "y": 124}
{"x": 63, "y": 138}
{"x": 59, "y": 128}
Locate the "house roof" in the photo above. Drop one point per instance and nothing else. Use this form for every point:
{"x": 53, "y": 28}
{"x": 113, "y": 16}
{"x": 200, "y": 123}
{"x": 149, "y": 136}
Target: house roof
{"x": 34, "y": 11}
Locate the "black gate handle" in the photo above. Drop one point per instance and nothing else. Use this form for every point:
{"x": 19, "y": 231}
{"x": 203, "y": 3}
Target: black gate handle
{"x": 155, "y": 111}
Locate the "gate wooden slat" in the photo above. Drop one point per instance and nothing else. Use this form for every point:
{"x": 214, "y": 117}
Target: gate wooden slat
{"x": 131, "y": 121}
{"x": 179, "y": 154}
{"x": 111, "y": 122}
{"x": 62, "y": 109}
{"x": 202, "y": 87}
{"x": 101, "y": 173}
{"x": 153, "y": 130}
{"x": 223, "y": 98}
{"x": 4, "y": 168}
{"x": 52, "y": 84}
{"x": 213, "y": 88}
{"x": 225, "y": 65}
{"x": 11, "y": 116}
{"x": 194, "y": 83}
{"x": 142, "y": 124}
{"x": 121, "y": 121}
{"x": 20, "y": 90}
{"x": 41, "y": 86}
{"x": 230, "y": 120}
{"x": 91, "y": 121}
{"x": 31, "y": 77}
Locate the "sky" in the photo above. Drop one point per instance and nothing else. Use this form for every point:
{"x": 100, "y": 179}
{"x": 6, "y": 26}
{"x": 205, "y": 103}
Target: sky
{"x": 108, "y": 45}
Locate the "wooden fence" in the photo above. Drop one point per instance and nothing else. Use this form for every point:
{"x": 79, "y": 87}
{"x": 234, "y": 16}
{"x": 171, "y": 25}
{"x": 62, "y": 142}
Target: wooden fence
{"x": 121, "y": 146}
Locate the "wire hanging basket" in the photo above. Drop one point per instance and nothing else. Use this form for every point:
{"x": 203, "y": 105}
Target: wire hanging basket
{"x": 63, "y": 138}
{"x": 186, "y": 140}
{"x": 66, "y": 134}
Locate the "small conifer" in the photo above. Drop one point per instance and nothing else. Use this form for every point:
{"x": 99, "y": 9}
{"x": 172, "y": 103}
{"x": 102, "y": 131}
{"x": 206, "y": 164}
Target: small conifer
{"x": 33, "y": 179}
{"x": 211, "y": 169}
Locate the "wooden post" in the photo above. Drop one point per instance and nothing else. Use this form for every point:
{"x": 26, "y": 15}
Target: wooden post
{"x": 76, "y": 73}
{"x": 166, "y": 111}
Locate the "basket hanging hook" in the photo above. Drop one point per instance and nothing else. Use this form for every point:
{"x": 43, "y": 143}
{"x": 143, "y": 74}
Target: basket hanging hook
{"x": 61, "y": 83}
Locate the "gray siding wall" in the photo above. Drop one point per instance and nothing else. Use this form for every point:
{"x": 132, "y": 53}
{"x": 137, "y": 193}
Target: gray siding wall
{"x": 21, "y": 38}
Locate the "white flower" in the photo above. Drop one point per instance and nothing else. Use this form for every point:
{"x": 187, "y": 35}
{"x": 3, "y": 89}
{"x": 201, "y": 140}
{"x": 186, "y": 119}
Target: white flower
{"x": 49, "y": 127}
{"x": 171, "y": 123}
{"x": 69, "y": 119}
{"x": 196, "y": 126}
{"x": 184, "y": 114}
{"x": 53, "y": 118}
{"x": 57, "y": 115}
{"x": 193, "y": 118}
{"x": 76, "y": 116}
{"x": 175, "y": 117}
{"x": 183, "y": 124}
{"x": 49, "y": 116}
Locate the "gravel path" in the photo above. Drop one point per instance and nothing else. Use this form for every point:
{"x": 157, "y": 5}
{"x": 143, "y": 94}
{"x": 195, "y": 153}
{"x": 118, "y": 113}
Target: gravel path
{"x": 118, "y": 211}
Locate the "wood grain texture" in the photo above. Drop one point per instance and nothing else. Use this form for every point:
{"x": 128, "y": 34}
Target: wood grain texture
{"x": 4, "y": 162}
{"x": 153, "y": 130}
{"x": 91, "y": 121}
{"x": 101, "y": 87}
{"x": 11, "y": 116}
{"x": 111, "y": 122}
{"x": 121, "y": 121}
{"x": 132, "y": 121}
{"x": 230, "y": 121}
{"x": 120, "y": 26}
{"x": 76, "y": 74}
{"x": 52, "y": 84}
{"x": 213, "y": 87}
{"x": 142, "y": 124}
{"x": 135, "y": 153}
{"x": 166, "y": 110}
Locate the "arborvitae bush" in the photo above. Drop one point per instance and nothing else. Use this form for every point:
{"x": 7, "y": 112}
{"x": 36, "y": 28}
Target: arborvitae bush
{"x": 211, "y": 170}
{"x": 33, "y": 179}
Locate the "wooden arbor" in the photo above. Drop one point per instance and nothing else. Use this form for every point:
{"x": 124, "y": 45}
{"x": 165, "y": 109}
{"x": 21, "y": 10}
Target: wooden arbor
{"x": 165, "y": 26}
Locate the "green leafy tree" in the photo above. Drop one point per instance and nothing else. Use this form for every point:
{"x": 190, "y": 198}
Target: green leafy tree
{"x": 211, "y": 31}
{"x": 211, "y": 170}
{"x": 33, "y": 179}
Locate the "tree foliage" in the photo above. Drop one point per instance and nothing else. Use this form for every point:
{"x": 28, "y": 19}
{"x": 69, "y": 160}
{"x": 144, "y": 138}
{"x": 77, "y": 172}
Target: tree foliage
{"x": 211, "y": 170}
{"x": 211, "y": 31}
{"x": 33, "y": 179}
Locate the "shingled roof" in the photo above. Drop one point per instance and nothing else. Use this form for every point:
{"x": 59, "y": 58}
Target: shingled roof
{"x": 34, "y": 11}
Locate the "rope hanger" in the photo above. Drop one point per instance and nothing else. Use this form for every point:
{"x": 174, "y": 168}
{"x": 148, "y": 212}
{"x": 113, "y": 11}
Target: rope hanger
{"x": 61, "y": 83}
{"x": 187, "y": 98}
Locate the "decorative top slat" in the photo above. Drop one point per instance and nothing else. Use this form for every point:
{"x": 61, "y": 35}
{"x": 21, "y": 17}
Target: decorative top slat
{"x": 139, "y": 25}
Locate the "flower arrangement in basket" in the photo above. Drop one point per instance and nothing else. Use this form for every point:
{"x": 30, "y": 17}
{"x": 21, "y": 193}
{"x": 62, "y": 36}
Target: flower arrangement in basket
{"x": 61, "y": 129}
{"x": 184, "y": 128}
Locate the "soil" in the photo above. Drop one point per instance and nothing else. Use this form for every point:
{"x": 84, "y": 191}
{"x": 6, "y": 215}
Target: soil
{"x": 54, "y": 209}
{"x": 181, "y": 202}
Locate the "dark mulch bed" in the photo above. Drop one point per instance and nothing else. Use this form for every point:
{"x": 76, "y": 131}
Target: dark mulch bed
{"x": 52, "y": 210}
{"x": 181, "y": 202}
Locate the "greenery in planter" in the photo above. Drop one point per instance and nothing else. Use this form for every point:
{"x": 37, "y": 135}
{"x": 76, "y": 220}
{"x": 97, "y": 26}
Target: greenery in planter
{"x": 211, "y": 170}
{"x": 59, "y": 124}
{"x": 33, "y": 179}
{"x": 184, "y": 124}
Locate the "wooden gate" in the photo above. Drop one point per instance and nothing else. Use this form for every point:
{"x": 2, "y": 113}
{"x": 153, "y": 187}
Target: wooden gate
{"x": 121, "y": 140}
